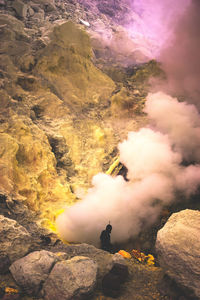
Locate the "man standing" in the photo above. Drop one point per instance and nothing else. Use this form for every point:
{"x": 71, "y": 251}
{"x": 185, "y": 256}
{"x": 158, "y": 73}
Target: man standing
{"x": 105, "y": 239}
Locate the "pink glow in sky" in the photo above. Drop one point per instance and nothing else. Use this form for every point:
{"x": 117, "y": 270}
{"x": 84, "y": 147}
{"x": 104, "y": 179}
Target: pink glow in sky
{"x": 155, "y": 20}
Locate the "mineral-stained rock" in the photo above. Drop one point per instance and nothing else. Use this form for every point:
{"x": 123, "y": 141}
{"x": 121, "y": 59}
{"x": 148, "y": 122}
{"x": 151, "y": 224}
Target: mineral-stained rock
{"x": 51, "y": 87}
{"x": 14, "y": 239}
{"x": 71, "y": 279}
{"x": 178, "y": 248}
{"x": 65, "y": 65}
{"x": 32, "y": 270}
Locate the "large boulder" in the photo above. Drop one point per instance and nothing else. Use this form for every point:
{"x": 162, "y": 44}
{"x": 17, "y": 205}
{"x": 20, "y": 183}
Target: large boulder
{"x": 31, "y": 271}
{"x": 15, "y": 240}
{"x": 71, "y": 279}
{"x": 178, "y": 248}
{"x": 103, "y": 259}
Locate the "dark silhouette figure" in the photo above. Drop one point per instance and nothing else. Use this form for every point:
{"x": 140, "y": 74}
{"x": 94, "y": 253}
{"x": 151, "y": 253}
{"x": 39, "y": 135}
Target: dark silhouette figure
{"x": 105, "y": 239}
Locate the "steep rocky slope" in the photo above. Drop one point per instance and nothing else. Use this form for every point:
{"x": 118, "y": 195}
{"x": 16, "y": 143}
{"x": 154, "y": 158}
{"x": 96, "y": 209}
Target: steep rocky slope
{"x": 61, "y": 116}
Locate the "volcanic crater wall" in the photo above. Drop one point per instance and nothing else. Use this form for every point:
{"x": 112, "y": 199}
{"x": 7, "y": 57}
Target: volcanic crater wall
{"x": 59, "y": 121}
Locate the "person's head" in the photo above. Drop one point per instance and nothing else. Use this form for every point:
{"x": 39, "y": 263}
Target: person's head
{"x": 109, "y": 228}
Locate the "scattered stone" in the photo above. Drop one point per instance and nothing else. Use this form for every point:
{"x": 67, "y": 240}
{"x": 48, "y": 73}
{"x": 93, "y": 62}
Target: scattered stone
{"x": 28, "y": 83}
{"x": 177, "y": 245}
{"x": 30, "y": 11}
{"x": 32, "y": 270}
{"x": 46, "y": 240}
{"x": 4, "y": 263}
{"x": 20, "y": 8}
{"x": 14, "y": 238}
{"x": 111, "y": 283}
{"x": 39, "y": 16}
{"x": 71, "y": 279}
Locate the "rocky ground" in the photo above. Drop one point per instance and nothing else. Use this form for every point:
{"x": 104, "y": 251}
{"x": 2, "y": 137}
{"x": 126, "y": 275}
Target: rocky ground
{"x": 35, "y": 264}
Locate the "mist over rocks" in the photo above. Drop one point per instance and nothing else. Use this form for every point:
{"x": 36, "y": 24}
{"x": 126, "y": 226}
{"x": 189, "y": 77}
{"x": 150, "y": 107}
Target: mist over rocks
{"x": 154, "y": 159}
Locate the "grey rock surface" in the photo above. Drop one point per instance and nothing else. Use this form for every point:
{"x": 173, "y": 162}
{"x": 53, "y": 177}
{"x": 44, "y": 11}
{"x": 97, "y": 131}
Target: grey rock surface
{"x": 102, "y": 258}
{"x": 71, "y": 279}
{"x": 15, "y": 240}
{"x": 178, "y": 248}
{"x": 32, "y": 270}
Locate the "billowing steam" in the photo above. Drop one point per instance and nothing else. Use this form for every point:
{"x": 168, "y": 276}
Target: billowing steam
{"x": 181, "y": 57}
{"x": 153, "y": 157}
{"x": 155, "y": 21}
{"x": 162, "y": 159}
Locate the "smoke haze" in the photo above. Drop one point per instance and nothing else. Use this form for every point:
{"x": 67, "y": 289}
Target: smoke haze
{"x": 156, "y": 20}
{"x": 153, "y": 157}
{"x": 181, "y": 57}
{"x": 163, "y": 158}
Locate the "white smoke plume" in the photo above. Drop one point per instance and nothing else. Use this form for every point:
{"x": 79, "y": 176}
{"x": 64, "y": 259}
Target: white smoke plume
{"x": 162, "y": 159}
{"x": 156, "y": 21}
{"x": 179, "y": 120}
{"x": 180, "y": 57}
{"x": 153, "y": 157}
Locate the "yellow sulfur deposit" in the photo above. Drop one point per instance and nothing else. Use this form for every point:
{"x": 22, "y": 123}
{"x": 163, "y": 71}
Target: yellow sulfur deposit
{"x": 124, "y": 254}
{"x": 9, "y": 290}
{"x": 115, "y": 165}
{"x": 150, "y": 260}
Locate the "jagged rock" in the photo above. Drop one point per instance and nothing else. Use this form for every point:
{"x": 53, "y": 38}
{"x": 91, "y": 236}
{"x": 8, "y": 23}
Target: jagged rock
{"x": 38, "y": 17}
{"x": 102, "y": 258}
{"x": 20, "y": 8}
{"x": 28, "y": 83}
{"x": 31, "y": 11}
{"x": 15, "y": 240}
{"x": 53, "y": 87}
{"x": 67, "y": 68}
{"x": 71, "y": 279}
{"x": 177, "y": 245}
{"x": 32, "y": 270}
